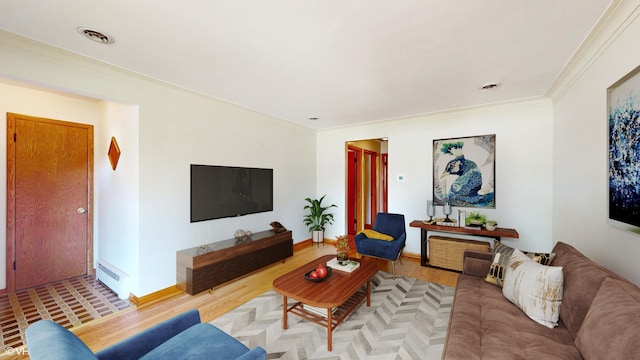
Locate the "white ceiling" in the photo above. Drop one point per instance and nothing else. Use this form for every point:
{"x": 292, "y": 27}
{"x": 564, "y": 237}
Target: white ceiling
{"x": 343, "y": 61}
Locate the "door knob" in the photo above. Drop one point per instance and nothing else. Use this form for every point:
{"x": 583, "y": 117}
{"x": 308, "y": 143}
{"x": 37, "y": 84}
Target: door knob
{"x": 81, "y": 210}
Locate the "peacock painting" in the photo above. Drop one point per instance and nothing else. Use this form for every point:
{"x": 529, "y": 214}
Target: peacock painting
{"x": 464, "y": 171}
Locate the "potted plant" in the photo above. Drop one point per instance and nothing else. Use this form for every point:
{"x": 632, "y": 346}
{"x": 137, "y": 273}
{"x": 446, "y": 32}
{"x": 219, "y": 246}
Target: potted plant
{"x": 343, "y": 246}
{"x": 317, "y": 218}
{"x": 476, "y": 218}
{"x": 491, "y": 225}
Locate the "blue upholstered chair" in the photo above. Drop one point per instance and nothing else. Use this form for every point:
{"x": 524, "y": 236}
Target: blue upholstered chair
{"x": 181, "y": 337}
{"x": 370, "y": 243}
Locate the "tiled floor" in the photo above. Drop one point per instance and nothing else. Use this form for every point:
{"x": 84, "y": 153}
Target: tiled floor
{"x": 69, "y": 302}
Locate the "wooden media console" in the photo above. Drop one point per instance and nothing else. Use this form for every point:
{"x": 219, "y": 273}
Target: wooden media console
{"x": 203, "y": 267}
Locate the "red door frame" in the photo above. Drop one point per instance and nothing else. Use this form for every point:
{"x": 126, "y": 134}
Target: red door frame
{"x": 384, "y": 158}
{"x": 373, "y": 188}
{"x": 353, "y": 188}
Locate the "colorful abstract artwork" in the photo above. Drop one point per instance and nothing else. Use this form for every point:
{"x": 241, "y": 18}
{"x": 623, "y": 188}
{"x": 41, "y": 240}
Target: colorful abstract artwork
{"x": 624, "y": 149}
{"x": 464, "y": 171}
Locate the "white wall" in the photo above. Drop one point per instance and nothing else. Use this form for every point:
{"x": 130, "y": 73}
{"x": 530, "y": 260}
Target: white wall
{"x": 581, "y": 146}
{"x": 524, "y": 160}
{"x": 117, "y": 198}
{"x": 175, "y": 128}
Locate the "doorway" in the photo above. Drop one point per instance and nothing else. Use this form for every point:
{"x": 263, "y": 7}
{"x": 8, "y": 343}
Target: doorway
{"x": 366, "y": 183}
{"x": 49, "y": 200}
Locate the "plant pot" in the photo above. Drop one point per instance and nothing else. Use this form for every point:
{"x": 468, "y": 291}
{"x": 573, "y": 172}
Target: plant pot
{"x": 317, "y": 236}
{"x": 490, "y": 226}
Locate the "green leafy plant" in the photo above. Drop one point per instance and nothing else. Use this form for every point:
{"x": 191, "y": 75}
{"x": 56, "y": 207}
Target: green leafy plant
{"x": 476, "y": 217}
{"x": 317, "y": 218}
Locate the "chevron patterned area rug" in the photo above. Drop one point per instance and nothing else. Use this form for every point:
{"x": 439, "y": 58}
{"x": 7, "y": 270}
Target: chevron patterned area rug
{"x": 407, "y": 319}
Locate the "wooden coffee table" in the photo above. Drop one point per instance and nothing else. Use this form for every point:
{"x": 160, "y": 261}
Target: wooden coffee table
{"x": 340, "y": 294}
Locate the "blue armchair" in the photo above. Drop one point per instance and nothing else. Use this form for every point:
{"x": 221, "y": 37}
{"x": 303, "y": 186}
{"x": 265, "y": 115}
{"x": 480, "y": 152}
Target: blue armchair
{"x": 181, "y": 337}
{"x": 373, "y": 244}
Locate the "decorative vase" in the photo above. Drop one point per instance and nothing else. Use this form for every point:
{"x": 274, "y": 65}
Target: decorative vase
{"x": 342, "y": 259}
{"x": 317, "y": 236}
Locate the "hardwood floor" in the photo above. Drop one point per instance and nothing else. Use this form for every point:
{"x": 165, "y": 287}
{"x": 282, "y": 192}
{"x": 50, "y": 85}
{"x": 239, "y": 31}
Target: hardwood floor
{"x": 103, "y": 332}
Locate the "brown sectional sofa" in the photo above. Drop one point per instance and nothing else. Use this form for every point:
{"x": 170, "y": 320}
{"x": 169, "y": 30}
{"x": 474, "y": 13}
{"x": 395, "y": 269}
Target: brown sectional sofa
{"x": 599, "y": 315}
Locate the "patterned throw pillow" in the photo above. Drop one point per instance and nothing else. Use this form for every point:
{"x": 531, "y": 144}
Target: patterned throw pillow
{"x": 535, "y": 289}
{"x": 501, "y": 255}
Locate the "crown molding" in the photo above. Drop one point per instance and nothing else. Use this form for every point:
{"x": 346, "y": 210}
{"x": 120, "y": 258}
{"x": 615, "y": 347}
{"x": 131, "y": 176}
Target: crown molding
{"x": 611, "y": 24}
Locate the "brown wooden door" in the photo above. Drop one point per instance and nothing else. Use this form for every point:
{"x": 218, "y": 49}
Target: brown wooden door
{"x": 49, "y": 198}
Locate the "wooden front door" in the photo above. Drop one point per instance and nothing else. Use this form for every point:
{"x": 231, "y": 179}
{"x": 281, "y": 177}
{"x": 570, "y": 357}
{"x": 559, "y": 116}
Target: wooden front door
{"x": 49, "y": 200}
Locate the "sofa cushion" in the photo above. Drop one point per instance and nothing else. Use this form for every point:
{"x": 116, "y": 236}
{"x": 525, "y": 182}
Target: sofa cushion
{"x": 536, "y": 289}
{"x": 582, "y": 279}
{"x": 484, "y": 325}
{"x": 501, "y": 255}
{"x": 201, "y": 341}
{"x": 610, "y": 329}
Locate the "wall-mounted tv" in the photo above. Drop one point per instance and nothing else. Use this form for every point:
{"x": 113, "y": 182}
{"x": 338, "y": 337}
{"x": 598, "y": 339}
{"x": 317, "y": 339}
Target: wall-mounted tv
{"x": 226, "y": 191}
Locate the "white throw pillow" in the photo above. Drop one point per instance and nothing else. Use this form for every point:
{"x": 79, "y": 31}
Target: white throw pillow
{"x": 536, "y": 289}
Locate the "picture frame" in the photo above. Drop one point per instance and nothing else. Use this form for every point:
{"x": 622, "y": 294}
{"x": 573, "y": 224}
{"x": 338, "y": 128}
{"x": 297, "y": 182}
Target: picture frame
{"x": 623, "y": 115}
{"x": 464, "y": 171}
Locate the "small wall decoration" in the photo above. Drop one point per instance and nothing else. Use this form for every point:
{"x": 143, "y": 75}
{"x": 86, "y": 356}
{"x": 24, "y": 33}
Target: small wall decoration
{"x": 464, "y": 171}
{"x": 113, "y": 153}
{"x": 623, "y": 100}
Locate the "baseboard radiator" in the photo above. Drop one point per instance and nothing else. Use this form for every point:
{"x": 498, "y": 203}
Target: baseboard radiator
{"x": 113, "y": 278}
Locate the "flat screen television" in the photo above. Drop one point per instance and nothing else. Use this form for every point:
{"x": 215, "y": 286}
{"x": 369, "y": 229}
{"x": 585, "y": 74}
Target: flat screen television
{"x": 226, "y": 191}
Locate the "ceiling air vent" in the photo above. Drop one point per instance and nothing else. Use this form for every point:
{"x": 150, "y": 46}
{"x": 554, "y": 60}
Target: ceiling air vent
{"x": 96, "y": 35}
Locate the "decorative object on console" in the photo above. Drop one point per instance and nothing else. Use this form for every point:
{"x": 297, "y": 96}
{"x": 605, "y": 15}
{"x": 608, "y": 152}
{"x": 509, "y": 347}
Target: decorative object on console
{"x": 464, "y": 171}
{"x": 445, "y": 222}
{"x": 624, "y": 157}
{"x": 475, "y": 219}
{"x": 446, "y": 209}
{"x": 491, "y": 225}
{"x": 431, "y": 209}
{"x": 317, "y": 218}
{"x": 242, "y": 235}
{"x": 113, "y": 153}
{"x": 462, "y": 218}
{"x": 278, "y": 227}
{"x": 502, "y": 254}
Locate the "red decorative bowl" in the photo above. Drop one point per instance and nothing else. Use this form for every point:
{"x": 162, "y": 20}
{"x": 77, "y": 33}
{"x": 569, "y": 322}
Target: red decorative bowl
{"x": 306, "y": 275}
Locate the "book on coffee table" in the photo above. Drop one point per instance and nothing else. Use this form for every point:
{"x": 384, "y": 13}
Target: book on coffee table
{"x": 317, "y": 310}
{"x": 350, "y": 265}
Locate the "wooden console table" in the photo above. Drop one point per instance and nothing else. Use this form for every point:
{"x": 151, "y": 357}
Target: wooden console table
{"x": 425, "y": 228}
{"x": 202, "y": 267}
